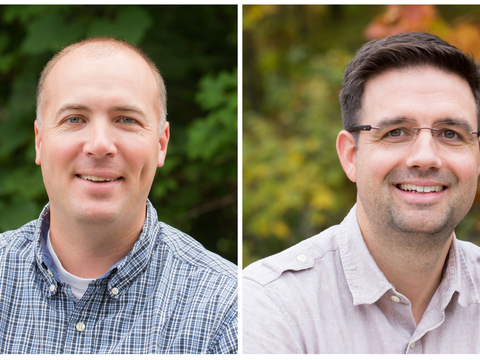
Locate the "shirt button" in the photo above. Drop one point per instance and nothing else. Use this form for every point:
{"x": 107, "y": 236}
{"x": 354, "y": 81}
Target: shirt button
{"x": 80, "y": 326}
{"x": 395, "y": 298}
{"x": 412, "y": 345}
{"x": 52, "y": 288}
{"x": 49, "y": 272}
{"x": 114, "y": 291}
{"x": 301, "y": 258}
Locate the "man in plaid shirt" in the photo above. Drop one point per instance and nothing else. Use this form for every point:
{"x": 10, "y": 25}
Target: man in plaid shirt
{"x": 97, "y": 272}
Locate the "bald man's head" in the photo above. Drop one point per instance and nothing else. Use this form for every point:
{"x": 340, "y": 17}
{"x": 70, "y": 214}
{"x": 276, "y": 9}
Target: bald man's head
{"x": 100, "y": 47}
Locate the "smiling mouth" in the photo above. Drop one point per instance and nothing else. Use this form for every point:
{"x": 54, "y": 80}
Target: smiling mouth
{"x": 96, "y": 179}
{"x": 420, "y": 189}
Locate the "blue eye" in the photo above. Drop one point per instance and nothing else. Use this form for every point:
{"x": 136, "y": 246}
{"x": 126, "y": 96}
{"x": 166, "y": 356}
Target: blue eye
{"x": 127, "y": 120}
{"x": 73, "y": 120}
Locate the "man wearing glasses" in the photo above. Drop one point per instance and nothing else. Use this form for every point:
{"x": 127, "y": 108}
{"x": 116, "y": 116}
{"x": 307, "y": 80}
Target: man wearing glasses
{"x": 392, "y": 277}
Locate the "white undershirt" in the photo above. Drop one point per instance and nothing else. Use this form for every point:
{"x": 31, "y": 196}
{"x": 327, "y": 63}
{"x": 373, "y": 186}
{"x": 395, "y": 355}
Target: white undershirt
{"x": 78, "y": 285}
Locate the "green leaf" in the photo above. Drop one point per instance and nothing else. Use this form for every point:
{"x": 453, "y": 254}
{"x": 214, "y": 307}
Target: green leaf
{"x": 17, "y": 213}
{"x": 216, "y": 134}
{"x": 130, "y": 25}
{"x": 24, "y": 13}
{"x": 50, "y": 33}
{"x": 25, "y": 182}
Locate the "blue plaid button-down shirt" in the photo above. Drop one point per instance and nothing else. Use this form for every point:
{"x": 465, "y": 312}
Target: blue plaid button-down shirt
{"x": 168, "y": 295}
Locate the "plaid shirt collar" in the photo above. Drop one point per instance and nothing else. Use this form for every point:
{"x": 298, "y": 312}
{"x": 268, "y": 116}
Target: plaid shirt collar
{"x": 120, "y": 275}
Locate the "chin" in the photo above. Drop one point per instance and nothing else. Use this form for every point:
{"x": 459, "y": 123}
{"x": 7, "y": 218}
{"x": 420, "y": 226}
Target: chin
{"x": 97, "y": 216}
{"x": 95, "y": 219}
{"x": 426, "y": 224}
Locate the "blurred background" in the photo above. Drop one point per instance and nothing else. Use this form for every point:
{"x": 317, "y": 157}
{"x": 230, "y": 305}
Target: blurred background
{"x": 293, "y": 63}
{"x": 195, "y": 48}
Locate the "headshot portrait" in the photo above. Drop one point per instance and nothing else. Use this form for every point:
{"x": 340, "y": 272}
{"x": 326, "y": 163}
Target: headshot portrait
{"x": 118, "y": 153}
{"x": 361, "y": 165}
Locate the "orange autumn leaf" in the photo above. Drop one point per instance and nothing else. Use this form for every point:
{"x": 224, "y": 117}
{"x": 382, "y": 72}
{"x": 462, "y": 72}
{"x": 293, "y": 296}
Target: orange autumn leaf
{"x": 401, "y": 18}
{"x": 465, "y": 36}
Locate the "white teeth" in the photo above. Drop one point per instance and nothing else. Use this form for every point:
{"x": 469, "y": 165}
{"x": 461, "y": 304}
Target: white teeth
{"x": 94, "y": 178}
{"x": 420, "y": 189}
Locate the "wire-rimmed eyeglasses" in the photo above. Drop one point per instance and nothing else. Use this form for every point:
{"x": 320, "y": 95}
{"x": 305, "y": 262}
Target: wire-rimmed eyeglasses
{"x": 448, "y": 134}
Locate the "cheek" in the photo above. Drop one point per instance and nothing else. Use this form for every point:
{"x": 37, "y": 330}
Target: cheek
{"x": 373, "y": 167}
{"x": 141, "y": 157}
{"x": 466, "y": 171}
{"x": 464, "y": 164}
{"x": 57, "y": 154}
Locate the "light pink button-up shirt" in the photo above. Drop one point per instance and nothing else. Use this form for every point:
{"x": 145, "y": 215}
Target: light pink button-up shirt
{"x": 327, "y": 295}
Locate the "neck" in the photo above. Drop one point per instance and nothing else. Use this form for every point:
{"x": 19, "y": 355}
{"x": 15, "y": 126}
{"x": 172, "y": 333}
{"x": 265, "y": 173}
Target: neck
{"x": 87, "y": 250}
{"x": 409, "y": 261}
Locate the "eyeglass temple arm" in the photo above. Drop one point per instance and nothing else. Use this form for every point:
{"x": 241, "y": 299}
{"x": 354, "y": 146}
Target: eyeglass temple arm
{"x": 363, "y": 128}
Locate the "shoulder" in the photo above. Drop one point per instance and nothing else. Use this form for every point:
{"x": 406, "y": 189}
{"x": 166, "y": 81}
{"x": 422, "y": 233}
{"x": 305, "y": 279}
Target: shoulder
{"x": 302, "y": 257}
{"x": 283, "y": 290}
{"x": 197, "y": 276}
{"x": 187, "y": 252}
{"x": 190, "y": 253}
{"x": 20, "y": 239}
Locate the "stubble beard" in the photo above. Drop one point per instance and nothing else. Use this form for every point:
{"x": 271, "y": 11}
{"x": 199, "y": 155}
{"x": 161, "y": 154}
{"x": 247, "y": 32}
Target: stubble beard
{"x": 422, "y": 234}
{"x": 422, "y": 228}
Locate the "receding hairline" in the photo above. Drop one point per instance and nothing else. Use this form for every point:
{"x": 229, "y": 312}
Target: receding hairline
{"x": 101, "y": 47}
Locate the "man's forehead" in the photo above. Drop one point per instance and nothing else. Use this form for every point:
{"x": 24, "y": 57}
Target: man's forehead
{"x": 426, "y": 81}
{"x": 122, "y": 76}
{"x": 415, "y": 70}
{"x": 399, "y": 92}
{"x": 101, "y": 63}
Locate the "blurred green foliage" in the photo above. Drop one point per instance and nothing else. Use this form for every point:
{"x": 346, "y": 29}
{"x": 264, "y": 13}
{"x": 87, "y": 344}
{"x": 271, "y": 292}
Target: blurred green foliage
{"x": 293, "y": 62}
{"x": 195, "y": 48}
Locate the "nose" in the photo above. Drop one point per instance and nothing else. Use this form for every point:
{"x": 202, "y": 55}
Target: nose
{"x": 100, "y": 140}
{"x": 424, "y": 152}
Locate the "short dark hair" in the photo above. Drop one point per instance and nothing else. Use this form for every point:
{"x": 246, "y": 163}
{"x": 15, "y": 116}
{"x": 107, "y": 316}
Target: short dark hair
{"x": 399, "y": 52}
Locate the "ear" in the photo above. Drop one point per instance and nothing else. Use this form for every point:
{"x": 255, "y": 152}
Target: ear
{"x": 163, "y": 144}
{"x": 347, "y": 153}
{"x": 38, "y": 143}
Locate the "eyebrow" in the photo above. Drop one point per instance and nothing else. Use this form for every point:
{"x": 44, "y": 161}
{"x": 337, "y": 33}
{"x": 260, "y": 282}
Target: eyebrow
{"x": 456, "y": 122}
{"x": 71, "y": 107}
{"x": 394, "y": 121}
{"x": 128, "y": 108}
